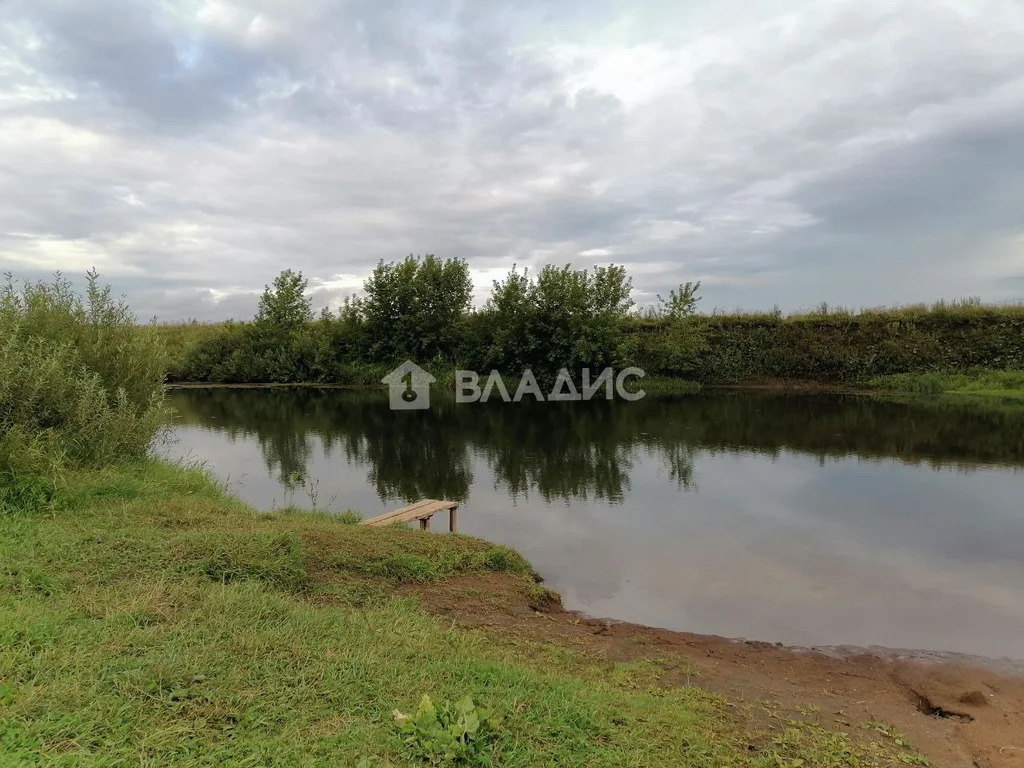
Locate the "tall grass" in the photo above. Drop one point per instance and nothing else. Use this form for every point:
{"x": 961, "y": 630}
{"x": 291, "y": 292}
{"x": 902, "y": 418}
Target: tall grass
{"x": 81, "y": 385}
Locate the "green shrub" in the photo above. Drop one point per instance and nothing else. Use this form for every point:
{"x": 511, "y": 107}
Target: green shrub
{"x": 673, "y": 346}
{"x": 412, "y": 307}
{"x": 845, "y": 347}
{"x": 214, "y": 357}
{"x": 448, "y": 734}
{"x": 278, "y": 346}
{"x": 104, "y": 332}
{"x": 80, "y": 385}
{"x": 562, "y": 318}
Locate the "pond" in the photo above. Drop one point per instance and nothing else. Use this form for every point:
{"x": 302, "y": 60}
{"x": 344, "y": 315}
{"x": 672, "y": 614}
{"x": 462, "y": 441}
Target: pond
{"x": 800, "y": 519}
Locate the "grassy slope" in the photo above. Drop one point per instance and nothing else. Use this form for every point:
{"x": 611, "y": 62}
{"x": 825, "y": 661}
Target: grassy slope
{"x": 149, "y": 619}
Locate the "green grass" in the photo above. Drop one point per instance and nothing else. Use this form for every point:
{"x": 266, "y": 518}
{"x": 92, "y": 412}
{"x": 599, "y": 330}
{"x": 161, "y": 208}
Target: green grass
{"x": 984, "y": 382}
{"x": 664, "y": 385}
{"x": 148, "y": 619}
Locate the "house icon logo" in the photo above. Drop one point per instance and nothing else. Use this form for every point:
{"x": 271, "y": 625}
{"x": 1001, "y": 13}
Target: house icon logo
{"x": 408, "y": 387}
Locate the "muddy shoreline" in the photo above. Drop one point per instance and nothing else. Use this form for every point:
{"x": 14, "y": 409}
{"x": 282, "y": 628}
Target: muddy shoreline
{"x": 961, "y": 711}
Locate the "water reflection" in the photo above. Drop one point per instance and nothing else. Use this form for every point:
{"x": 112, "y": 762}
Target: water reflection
{"x": 802, "y": 519}
{"x": 559, "y": 450}
{"x": 583, "y": 450}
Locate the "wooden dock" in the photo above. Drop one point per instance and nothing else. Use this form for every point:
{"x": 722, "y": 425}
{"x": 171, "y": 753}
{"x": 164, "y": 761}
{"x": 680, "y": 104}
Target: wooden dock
{"x": 422, "y": 511}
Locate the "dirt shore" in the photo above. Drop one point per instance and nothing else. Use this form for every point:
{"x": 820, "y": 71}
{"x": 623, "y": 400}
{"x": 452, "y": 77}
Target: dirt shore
{"x": 959, "y": 712}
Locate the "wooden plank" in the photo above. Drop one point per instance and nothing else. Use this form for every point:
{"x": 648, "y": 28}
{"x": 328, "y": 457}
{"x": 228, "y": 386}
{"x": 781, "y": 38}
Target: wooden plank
{"x": 421, "y": 510}
{"x": 396, "y": 513}
{"x": 409, "y": 509}
{"x": 437, "y": 506}
{"x": 420, "y": 513}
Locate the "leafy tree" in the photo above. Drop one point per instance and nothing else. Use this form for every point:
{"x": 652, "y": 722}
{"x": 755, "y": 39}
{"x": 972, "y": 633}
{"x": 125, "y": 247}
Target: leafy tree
{"x": 280, "y": 346}
{"x": 285, "y": 307}
{"x": 680, "y": 304}
{"x": 412, "y": 307}
{"x": 564, "y": 317}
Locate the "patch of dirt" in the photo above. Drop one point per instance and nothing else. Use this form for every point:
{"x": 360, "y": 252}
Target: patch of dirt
{"x": 956, "y": 714}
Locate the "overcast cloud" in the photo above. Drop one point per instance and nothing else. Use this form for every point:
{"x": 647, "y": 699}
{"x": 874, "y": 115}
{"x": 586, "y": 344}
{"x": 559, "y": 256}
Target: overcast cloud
{"x": 858, "y": 152}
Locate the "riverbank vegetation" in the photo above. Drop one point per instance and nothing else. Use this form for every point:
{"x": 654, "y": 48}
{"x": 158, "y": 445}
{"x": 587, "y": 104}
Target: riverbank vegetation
{"x": 81, "y": 386}
{"x": 419, "y": 309}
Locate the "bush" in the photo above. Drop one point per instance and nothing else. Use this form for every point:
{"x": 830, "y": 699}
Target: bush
{"x": 855, "y": 348}
{"x": 104, "y": 332}
{"x": 673, "y": 346}
{"x": 413, "y": 306}
{"x": 563, "y": 318}
{"x": 80, "y": 385}
{"x": 219, "y": 357}
{"x": 276, "y": 347}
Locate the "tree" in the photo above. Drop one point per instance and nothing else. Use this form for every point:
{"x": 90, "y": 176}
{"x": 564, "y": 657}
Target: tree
{"x": 284, "y": 307}
{"x": 681, "y": 303}
{"x": 412, "y": 307}
{"x": 279, "y": 346}
{"x": 563, "y": 318}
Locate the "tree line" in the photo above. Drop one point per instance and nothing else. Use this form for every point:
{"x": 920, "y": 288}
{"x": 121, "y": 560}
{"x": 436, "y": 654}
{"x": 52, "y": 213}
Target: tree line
{"x": 419, "y": 308}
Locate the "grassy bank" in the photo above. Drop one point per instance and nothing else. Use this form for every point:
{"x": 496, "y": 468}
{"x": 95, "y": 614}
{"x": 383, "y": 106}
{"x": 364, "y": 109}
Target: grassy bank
{"x": 984, "y": 382}
{"x": 146, "y": 618}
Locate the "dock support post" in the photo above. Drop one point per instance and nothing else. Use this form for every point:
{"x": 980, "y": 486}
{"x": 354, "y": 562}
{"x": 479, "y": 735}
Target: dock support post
{"x": 425, "y": 524}
{"x": 453, "y": 516}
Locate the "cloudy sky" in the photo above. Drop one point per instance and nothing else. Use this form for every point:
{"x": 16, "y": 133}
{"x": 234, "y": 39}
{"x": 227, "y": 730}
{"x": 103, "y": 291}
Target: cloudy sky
{"x": 859, "y": 152}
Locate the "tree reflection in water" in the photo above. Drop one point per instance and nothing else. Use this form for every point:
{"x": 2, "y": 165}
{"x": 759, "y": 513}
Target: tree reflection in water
{"x": 580, "y": 450}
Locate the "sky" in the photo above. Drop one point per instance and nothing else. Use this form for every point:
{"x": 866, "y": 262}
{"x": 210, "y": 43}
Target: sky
{"x": 783, "y": 152}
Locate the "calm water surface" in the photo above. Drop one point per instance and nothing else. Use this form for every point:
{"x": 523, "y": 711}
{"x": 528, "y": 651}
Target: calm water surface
{"x": 797, "y": 519}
